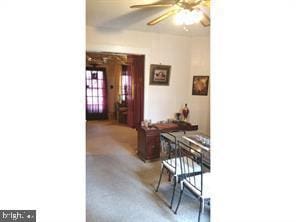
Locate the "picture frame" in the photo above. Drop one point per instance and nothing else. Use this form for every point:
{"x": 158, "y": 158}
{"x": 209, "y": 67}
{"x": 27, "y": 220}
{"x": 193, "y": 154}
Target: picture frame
{"x": 200, "y": 85}
{"x": 160, "y": 74}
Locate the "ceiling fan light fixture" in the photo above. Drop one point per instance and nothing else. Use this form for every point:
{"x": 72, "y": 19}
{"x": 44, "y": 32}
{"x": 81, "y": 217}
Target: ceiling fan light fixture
{"x": 188, "y": 17}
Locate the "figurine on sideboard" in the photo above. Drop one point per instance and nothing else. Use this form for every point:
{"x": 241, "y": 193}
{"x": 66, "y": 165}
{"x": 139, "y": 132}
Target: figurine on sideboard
{"x": 185, "y": 112}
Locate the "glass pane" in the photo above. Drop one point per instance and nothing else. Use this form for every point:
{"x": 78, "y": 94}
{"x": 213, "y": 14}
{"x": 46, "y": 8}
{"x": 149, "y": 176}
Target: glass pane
{"x": 94, "y": 83}
{"x": 124, "y": 80}
{"x": 100, "y": 75}
{"x": 88, "y": 74}
{"x": 95, "y": 92}
{"x": 88, "y": 92}
{"x": 89, "y": 100}
{"x": 100, "y": 92}
{"x": 94, "y": 75}
{"x": 100, "y": 100}
{"x": 95, "y": 100}
{"x": 100, "y": 82}
{"x": 88, "y": 84}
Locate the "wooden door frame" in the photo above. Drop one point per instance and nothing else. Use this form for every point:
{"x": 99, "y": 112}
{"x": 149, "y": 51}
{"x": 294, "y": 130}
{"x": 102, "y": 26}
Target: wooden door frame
{"x": 125, "y": 50}
{"x": 138, "y": 86}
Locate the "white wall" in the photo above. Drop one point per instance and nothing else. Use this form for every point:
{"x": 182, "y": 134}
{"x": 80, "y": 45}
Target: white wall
{"x": 200, "y": 65}
{"x": 187, "y": 56}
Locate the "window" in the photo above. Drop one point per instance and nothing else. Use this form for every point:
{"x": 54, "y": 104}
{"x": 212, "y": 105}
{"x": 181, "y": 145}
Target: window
{"x": 124, "y": 83}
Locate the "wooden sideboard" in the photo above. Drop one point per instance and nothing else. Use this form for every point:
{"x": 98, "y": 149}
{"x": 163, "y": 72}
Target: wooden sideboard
{"x": 148, "y": 143}
{"x": 148, "y": 138}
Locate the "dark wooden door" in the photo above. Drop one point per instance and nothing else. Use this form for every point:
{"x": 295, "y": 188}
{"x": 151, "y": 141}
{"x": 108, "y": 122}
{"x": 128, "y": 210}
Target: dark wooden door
{"x": 96, "y": 94}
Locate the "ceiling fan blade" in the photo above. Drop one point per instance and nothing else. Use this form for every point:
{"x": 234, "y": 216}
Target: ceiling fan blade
{"x": 151, "y": 5}
{"x": 205, "y": 21}
{"x": 163, "y": 16}
{"x": 206, "y": 3}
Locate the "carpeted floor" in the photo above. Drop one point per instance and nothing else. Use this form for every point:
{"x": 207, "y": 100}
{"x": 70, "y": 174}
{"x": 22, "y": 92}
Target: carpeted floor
{"x": 120, "y": 187}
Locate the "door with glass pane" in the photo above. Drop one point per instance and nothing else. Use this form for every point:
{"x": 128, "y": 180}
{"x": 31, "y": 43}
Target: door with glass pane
{"x": 96, "y": 94}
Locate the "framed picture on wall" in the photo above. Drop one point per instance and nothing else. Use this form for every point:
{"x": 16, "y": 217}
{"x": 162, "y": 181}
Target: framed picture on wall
{"x": 160, "y": 74}
{"x": 200, "y": 85}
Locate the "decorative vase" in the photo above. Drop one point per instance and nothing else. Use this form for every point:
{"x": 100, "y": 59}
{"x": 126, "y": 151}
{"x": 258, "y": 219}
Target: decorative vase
{"x": 185, "y": 112}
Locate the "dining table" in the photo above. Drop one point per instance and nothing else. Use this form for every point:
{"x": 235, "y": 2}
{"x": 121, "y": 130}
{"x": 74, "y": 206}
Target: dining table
{"x": 196, "y": 139}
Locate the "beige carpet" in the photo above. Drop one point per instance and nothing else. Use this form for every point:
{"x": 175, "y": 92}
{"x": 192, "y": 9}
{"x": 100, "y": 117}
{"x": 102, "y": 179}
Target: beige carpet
{"x": 120, "y": 187}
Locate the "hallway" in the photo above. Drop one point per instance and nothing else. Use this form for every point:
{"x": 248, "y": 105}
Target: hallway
{"x": 120, "y": 187}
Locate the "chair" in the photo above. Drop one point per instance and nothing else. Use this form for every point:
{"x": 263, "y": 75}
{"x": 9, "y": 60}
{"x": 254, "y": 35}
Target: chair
{"x": 122, "y": 114}
{"x": 171, "y": 161}
{"x": 197, "y": 184}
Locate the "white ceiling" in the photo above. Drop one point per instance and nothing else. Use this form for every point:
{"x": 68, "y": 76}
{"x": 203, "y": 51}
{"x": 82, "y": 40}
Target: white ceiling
{"x": 116, "y": 15}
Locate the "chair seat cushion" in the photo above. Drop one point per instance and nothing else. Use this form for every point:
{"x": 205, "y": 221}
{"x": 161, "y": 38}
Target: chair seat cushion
{"x": 170, "y": 165}
{"x": 194, "y": 182}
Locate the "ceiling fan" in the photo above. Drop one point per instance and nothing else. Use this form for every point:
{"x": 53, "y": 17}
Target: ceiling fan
{"x": 181, "y": 8}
